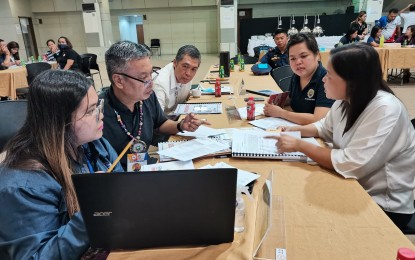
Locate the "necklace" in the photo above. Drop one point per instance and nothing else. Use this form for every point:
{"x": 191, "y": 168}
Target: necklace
{"x": 138, "y": 145}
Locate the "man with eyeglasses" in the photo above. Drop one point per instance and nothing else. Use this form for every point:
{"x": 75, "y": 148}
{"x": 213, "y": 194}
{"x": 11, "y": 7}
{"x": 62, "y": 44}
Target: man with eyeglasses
{"x": 132, "y": 111}
{"x": 174, "y": 81}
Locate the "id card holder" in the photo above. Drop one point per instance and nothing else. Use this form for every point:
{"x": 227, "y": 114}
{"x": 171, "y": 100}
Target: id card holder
{"x": 135, "y": 161}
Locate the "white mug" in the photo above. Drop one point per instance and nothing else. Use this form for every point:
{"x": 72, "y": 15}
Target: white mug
{"x": 196, "y": 93}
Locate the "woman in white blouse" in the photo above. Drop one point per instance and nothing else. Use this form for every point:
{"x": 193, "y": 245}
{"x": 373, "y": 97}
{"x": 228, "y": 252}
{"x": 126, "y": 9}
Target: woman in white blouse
{"x": 372, "y": 138}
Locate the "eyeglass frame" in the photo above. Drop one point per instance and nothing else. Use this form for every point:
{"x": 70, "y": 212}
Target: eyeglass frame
{"x": 146, "y": 83}
{"x": 98, "y": 109}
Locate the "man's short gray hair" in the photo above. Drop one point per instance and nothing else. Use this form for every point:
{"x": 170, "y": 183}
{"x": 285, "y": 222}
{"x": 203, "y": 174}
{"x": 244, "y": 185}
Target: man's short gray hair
{"x": 122, "y": 52}
{"x": 190, "y": 50}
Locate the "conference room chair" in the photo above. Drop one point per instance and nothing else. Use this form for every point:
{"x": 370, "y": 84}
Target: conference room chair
{"x": 285, "y": 83}
{"x": 33, "y": 69}
{"x": 282, "y": 72}
{"x": 12, "y": 116}
{"x": 155, "y": 44}
{"x": 259, "y": 49}
{"x": 93, "y": 67}
{"x": 247, "y": 59}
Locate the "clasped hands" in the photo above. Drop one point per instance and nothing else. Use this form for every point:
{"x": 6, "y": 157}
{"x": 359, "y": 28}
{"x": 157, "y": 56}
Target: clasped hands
{"x": 272, "y": 110}
{"x": 191, "y": 123}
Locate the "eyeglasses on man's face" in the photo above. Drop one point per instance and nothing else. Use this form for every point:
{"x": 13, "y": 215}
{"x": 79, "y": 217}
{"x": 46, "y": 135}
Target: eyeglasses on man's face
{"x": 146, "y": 83}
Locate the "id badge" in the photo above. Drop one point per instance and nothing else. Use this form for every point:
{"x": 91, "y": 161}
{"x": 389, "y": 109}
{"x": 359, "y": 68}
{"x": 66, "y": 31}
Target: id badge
{"x": 135, "y": 161}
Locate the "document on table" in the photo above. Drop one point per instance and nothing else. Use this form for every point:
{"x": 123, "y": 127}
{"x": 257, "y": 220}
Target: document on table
{"x": 203, "y": 132}
{"x": 167, "y": 166}
{"x": 244, "y": 177}
{"x": 271, "y": 123}
{"x": 259, "y": 110}
{"x": 193, "y": 149}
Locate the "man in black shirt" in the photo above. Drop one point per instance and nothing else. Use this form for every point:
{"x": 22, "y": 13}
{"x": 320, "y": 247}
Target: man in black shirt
{"x": 277, "y": 57}
{"x": 131, "y": 110}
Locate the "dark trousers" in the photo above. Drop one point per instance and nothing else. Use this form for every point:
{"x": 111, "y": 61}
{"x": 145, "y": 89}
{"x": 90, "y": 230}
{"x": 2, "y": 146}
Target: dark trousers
{"x": 400, "y": 220}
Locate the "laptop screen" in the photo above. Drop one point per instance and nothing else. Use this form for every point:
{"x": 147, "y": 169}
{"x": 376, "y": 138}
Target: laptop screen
{"x": 158, "y": 209}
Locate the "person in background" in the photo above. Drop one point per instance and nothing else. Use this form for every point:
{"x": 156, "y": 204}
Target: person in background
{"x": 350, "y": 37}
{"x": 67, "y": 58}
{"x": 132, "y": 111}
{"x": 373, "y": 140}
{"x": 407, "y": 39}
{"x": 308, "y": 100}
{"x": 14, "y": 53}
{"x": 277, "y": 57}
{"x": 5, "y": 56}
{"x": 409, "y": 18}
{"x": 174, "y": 81}
{"x": 360, "y": 24}
{"x": 391, "y": 25}
{"x": 53, "y": 51}
{"x": 374, "y": 38}
{"x": 62, "y": 135}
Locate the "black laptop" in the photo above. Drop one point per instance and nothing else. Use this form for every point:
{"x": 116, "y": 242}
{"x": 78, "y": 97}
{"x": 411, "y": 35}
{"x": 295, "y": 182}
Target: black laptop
{"x": 158, "y": 209}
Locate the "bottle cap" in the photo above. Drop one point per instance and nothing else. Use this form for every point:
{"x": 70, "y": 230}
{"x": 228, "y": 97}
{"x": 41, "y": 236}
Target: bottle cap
{"x": 251, "y": 98}
{"x": 405, "y": 254}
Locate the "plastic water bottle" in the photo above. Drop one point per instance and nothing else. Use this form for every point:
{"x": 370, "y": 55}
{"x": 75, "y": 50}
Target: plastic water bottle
{"x": 242, "y": 65}
{"x": 39, "y": 58}
{"x": 382, "y": 41}
{"x": 32, "y": 59}
{"x": 405, "y": 254}
{"x": 218, "y": 90}
{"x": 221, "y": 72}
{"x": 250, "y": 109}
{"x": 239, "y": 213}
{"x": 232, "y": 65}
{"x": 23, "y": 63}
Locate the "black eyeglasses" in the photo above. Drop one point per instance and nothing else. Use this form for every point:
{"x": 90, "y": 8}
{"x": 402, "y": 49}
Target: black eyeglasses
{"x": 146, "y": 83}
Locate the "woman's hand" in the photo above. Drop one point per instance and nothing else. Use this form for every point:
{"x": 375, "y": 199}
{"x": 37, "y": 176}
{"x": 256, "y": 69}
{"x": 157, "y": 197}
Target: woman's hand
{"x": 286, "y": 143}
{"x": 273, "y": 110}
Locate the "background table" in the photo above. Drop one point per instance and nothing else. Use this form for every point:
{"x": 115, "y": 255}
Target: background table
{"x": 11, "y": 79}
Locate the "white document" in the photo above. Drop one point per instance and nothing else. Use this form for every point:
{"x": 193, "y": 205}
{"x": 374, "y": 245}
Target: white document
{"x": 259, "y": 110}
{"x": 271, "y": 123}
{"x": 175, "y": 165}
{"x": 244, "y": 177}
{"x": 203, "y": 132}
{"x": 193, "y": 149}
{"x": 253, "y": 144}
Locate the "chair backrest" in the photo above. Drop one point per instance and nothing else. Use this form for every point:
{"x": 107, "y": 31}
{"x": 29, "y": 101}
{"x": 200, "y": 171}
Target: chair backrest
{"x": 247, "y": 59}
{"x": 285, "y": 83}
{"x": 281, "y": 72}
{"x": 155, "y": 43}
{"x": 12, "y": 116}
{"x": 259, "y": 49}
{"x": 34, "y": 69}
{"x": 86, "y": 65}
{"x": 413, "y": 122}
{"x": 93, "y": 62}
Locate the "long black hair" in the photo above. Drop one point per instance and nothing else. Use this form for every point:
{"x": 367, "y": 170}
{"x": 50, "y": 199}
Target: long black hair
{"x": 47, "y": 141}
{"x": 358, "y": 64}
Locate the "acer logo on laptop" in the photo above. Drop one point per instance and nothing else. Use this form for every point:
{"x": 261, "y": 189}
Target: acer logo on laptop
{"x": 102, "y": 214}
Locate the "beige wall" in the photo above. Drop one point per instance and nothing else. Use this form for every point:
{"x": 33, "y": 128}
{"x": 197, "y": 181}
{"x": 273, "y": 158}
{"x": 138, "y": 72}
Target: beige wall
{"x": 176, "y": 27}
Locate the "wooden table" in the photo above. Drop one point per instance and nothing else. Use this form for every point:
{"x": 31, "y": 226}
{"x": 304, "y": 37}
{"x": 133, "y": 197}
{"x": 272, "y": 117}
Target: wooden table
{"x": 321, "y": 215}
{"x": 11, "y": 79}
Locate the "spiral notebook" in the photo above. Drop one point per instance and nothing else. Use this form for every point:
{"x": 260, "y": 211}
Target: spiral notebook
{"x": 199, "y": 108}
{"x": 252, "y": 144}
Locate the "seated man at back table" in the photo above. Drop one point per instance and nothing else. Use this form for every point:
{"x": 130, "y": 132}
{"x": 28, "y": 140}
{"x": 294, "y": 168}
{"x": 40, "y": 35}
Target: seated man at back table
{"x": 172, "y": 86}
{"x": 277, "y": 57}
{"x": 132, "y": 112}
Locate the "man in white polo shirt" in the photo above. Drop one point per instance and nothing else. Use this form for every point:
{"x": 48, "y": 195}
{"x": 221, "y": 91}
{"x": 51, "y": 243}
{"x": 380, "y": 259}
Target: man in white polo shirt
{"x": 174, "y": 81}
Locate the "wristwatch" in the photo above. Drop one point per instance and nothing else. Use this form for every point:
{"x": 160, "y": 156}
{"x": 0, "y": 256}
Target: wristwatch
{"x": 179, "y": 126}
